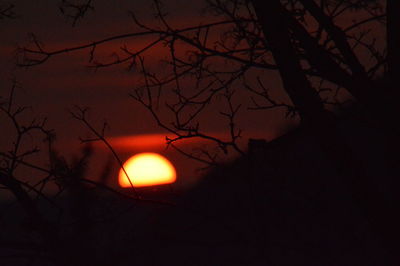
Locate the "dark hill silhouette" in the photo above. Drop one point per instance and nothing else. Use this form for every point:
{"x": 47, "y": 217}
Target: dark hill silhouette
{"x": 284, "y": 202}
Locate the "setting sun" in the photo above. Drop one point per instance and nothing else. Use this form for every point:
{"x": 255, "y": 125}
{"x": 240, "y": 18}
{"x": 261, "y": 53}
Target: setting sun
{"x": 147, "y": 169}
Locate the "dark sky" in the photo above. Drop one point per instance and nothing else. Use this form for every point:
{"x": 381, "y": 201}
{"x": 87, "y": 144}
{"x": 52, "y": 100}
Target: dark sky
{"x": 51, "y": 89}
{"x": 56, "y": 86}
{"x": 64, "y": 80}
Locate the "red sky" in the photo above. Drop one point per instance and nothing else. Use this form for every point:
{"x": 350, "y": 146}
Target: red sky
{"x": 54, "y": 87}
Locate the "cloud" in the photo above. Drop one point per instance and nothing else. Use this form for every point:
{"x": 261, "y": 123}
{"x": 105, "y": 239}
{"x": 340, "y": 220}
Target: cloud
{"x": 149, "y": 141}
{"x": 138, "y": 141}
{"x": 158, "y": 140}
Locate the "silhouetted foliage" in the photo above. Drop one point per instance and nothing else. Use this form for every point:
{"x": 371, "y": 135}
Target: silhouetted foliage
{"x": 313, "y": 178}
{"x": 7, "y": 11}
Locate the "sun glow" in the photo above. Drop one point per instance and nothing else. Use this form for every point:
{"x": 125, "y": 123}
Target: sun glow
{"x": 147, "y": 169}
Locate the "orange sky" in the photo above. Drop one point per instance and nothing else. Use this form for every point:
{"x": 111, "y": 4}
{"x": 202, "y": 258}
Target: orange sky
{"x": 63, "y": 81}
{"x": 54, "y": 87}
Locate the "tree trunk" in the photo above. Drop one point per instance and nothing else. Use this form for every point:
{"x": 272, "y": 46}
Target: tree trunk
{"x": 275, "y": 28}
{"x": 275, "y": 24}
{"x": 338, "y": 36}
{"x": 393, "y": 40}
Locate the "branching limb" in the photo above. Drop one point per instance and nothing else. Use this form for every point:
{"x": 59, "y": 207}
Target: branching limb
{"x": 7, "y": 11}
{"x": 80, "y": 114}
{"x": 75, "y": 9}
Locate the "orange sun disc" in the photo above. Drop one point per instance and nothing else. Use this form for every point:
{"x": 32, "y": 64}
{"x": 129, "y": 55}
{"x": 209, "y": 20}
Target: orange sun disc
{"x": 147, "y": 169}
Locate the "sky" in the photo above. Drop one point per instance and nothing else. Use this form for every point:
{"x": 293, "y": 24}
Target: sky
{"x": 55, "y": 87}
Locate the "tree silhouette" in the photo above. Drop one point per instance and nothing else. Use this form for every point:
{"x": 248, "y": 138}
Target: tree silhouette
{"x": 328, "y": 57}
{"x": 7, "y": 11}
{"x": 321, "y": 59}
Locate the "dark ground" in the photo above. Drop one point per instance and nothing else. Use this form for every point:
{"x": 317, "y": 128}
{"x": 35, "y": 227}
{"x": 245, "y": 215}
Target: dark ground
{"x": 284, "y": 203}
